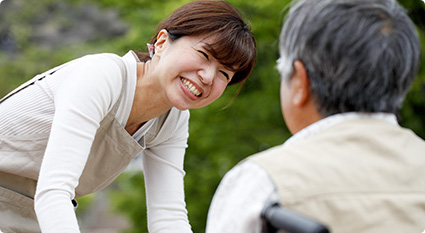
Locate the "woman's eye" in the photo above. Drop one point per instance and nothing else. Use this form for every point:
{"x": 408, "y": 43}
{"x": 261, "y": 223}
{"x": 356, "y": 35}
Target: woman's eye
{"x": 205, "y": 54}
{"x": 225, "y": 75}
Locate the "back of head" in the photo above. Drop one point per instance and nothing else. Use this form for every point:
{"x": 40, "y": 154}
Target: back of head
{"x": 360, "y": 55}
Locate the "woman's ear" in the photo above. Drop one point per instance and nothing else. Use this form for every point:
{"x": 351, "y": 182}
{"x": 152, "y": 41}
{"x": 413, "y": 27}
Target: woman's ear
{"x": 301, "y": 84}
{"x": 161, "y": 41}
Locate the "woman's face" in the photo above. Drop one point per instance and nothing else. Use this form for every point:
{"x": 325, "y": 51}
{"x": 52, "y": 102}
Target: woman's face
{"x": 191, "y": 77}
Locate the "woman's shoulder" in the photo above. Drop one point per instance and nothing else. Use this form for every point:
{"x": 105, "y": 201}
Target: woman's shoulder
{"x": 95, "y": 77}
{"x": 102, "y": 66}
{"x": 101, "y": 59}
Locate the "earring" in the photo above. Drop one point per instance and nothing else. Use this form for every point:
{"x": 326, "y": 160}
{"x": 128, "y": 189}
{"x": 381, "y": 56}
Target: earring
{"x": 151, "y": 49}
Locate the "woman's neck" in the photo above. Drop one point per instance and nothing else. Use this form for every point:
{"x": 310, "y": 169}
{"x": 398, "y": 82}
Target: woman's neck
{"x": 148, "y": 102}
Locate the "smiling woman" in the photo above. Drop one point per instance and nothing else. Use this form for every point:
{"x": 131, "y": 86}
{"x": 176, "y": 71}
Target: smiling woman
{"x": 71, "y": 131}
{"x": 193, "y": 80}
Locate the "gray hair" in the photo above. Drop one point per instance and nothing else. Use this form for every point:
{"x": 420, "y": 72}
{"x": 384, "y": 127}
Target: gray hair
{"x": 360, "y": 55}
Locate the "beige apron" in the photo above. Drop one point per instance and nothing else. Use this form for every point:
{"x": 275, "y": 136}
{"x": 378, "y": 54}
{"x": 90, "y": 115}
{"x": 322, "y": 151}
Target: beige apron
{"x": 20, "y": 159}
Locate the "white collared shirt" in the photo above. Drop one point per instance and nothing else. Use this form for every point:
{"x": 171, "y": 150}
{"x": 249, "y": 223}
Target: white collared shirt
{"x": 245, "y": 189}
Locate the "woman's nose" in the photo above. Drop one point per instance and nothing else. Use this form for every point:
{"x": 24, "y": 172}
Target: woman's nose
{"x": 207, "y": 75}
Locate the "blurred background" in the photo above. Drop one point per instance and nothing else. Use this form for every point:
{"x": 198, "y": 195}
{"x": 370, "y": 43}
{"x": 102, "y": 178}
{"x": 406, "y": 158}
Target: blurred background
{"x": 38, "y": 35}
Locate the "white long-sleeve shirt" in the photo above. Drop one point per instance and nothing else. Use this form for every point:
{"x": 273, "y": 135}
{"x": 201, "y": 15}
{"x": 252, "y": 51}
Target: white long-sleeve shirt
{"x": 245, "y": 189}
{"x": 70, "y": 104}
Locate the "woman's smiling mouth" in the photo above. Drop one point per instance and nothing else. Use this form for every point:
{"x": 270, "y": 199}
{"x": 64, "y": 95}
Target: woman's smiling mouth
{"x": 190, "y": 87}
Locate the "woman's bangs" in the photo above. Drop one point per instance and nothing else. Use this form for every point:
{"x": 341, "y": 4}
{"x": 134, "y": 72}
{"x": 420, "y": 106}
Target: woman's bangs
{"x": 233, "y": 51}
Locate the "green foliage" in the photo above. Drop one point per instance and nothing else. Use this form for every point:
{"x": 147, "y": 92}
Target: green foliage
{"x": 220, "y": 137}
{"x": 414, "y": 105}
{"x": 84, "y": 204}
{"x": 129, "y": 199}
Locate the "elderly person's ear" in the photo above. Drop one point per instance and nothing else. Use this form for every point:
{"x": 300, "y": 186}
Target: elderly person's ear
{"x": 300, "y": 84}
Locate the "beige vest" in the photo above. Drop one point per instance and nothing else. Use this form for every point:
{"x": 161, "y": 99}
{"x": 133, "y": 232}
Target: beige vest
{"x": 20, "y": 159}
{"x": 357, "y": 176}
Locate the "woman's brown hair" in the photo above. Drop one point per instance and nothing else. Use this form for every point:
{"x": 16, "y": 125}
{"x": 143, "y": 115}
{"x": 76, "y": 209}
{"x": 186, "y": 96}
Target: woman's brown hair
{"x": 235, "y": 45}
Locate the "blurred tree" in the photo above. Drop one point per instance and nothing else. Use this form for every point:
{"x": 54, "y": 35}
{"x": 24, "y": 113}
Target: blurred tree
{"x": 413, "y": 112}
{"x": 220, "y": 136}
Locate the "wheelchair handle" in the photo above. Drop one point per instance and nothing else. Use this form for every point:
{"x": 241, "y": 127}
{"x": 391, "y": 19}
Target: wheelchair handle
{"x": 277, "y": 218}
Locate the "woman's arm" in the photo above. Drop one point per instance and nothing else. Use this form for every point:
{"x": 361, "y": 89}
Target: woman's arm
{"x": 84, "y": 94}
{"x": 163, "y": 171}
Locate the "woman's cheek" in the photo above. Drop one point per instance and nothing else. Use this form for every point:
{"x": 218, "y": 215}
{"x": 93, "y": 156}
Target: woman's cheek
{"x": 220, "y": 91}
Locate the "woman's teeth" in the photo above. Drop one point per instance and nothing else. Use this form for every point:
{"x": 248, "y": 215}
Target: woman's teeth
{"x": 189, "y": 86}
